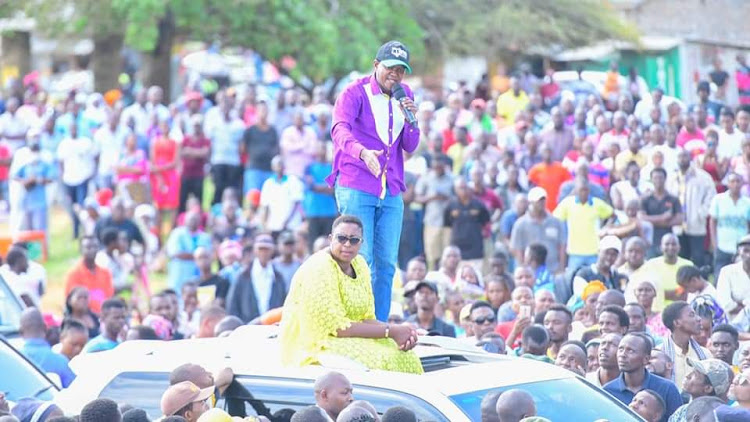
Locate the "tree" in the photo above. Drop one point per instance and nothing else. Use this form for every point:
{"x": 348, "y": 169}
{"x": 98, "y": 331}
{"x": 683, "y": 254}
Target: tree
{"x": 496, "y": 28}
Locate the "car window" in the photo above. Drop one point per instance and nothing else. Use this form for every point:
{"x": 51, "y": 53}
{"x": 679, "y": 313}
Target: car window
{"x": 10, "y": 310}
{"x": 553, "y": 401}
{"x": 20, "y": 378}
{"x": 142, "y": 390}
{"x": 284, "y": 395}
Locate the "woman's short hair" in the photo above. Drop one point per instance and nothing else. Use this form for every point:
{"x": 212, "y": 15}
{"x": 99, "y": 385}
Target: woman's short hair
{"x": 347, "y": 219}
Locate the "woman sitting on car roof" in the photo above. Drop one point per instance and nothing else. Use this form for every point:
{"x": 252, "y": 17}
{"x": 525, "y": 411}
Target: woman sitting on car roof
{"x": 330, "y": 310}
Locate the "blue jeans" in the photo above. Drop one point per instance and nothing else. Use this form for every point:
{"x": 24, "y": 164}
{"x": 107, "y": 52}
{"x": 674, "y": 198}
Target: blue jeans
{"x": 382, "y": 220}
{"x": 253, "y": 179}
{"x": 577, "y": 261}
{"x": 76, "y": 195}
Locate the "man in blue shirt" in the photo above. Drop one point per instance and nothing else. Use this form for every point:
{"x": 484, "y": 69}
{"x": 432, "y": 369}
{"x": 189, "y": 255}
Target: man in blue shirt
{"x": 34, "y": 176}
{"x": 633, "y": 354}
{"x": 319, "y": 204}
{"x": 40, "y": 352}
{"x": 113, "y": 319}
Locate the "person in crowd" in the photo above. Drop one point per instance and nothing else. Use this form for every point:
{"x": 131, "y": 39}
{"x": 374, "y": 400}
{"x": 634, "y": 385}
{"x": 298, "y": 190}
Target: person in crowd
{"x": 426, "y": 298}
{"x": 355, "y": 414}
{"x": 710, "y": 377}
{"x": 683, "y": 324}
{"x": 286, "y": 262}
{"x": 649, "y": 405}
{"x": 120, "y": 220}
{"x": 543, "y": 300}
{"x": 38, "y": 350}
{"x": 260, "y": 287}
{"x": 724, "y": 343}
{"x": 194, "y": 154}
{"x": 209, "y": 319}
{"x": 497, "y": 291}
{"x": 180, "y": 247}
{"x": 692, "y": 282}
{"x": 35, "y": 175}
{"x": 613, "y": 319}
{"x": 73, "y": 338}
{"x": 695, "y": 190}
{"x": 572, "y": 357}
{"x": 660, "y": 208}
{"x": 111, "y": 257}
{"x": 466, "y": 216}
{"x": 298, "y": 143}
{"x": 522, "y": 303}
{"x": 333, "y": 393}
{"x": 534, "y": 344}
{"x": 87, "y": 274}
{"x": 101, "y": 409}
{"x": 632, "y": 356}
{"x": 319, "y": 204}
{"x": 113, "y": 320}
{"x": 141, "y": 332}
{"x": 487, "y": 407}
{"x": 633, "y": 267}
{"x": 281, "y": 199}
{"x": 483, "y": 320}
{"x": 315, "y": 308}
{"x": 361, "y": 185}
{"x": 515, "y": 405}
{"x": 77, "y": 156}
{"x": 31, "y": 410}
{"x": 663, "y": 269}
{"x": 399, "y": 414}
{"x": 187, "y": 400}
{"x": 583, "y": 215}
{"x": 606, "y": 357}
{"x": 261, "y": 143}
{"x": 310, "y": 414}
{"x": 77, "y": 308}
{"x": 539, "y": 226}
{"x": 730, "y": 219}
{"x": 434, "y": 191}
{"x": 447, "y": 274}
{"x": 603, "y": 269}
{"x": 661, "y": 364}
{"x": 733, "y": 285}
{"x": 225, "y": 131}
{"x": 211, "y": 287}
{"x": 549, "y": 175}
{"x": 558, "y": 320}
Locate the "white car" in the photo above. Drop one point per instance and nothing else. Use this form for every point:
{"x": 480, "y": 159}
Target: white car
{"x": 457, "y": 377}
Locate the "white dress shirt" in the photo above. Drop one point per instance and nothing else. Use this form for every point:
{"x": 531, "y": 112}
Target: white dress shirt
{"x": 262, "y": 284}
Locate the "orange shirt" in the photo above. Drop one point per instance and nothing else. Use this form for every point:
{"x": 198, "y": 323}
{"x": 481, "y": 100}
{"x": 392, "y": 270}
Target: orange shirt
{"x": 550, "y": 177}
{"x": 98, "y": 282}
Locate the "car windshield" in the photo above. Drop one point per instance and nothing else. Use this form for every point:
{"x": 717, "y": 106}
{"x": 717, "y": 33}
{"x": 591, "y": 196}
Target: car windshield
{"x": 555, "y": 400}
{"x": 20, "y": 378}
{"x": 10, "y": 310}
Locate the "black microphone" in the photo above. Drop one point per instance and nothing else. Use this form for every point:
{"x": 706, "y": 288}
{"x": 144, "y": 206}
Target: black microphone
{"x": 399, "y": 94}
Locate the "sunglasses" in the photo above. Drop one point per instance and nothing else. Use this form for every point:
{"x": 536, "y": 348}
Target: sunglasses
{"x": 353, "y": 240}
{"x": 488, "y": 320}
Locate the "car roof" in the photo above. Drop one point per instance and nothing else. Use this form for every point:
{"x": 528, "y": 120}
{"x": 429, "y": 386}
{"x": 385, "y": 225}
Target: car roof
{"x": 452, "y": 366}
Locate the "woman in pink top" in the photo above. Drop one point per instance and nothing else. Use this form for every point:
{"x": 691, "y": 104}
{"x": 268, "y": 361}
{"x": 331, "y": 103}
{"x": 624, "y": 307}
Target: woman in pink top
{"x": 132, "y": 171}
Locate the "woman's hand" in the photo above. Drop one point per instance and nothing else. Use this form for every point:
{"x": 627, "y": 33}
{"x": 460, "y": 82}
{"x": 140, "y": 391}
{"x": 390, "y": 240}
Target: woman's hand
{"x": 404, "y": 335}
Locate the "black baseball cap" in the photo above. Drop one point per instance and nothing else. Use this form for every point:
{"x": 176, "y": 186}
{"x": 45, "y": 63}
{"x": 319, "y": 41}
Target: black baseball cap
{"x": 432, "y": 286}
{"x": 394, "y": 53}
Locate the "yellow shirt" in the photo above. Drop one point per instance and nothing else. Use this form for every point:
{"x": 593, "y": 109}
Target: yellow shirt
{"x": 457, "y": 153}
{"x": 623, "y": 158}
{"x": 584, "y": 221}
{"x": 664, "y": 276}
{"x": 508, "y": 104}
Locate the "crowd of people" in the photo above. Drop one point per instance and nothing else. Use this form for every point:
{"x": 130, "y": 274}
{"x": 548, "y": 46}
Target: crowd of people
{"x": 604, "y": 233}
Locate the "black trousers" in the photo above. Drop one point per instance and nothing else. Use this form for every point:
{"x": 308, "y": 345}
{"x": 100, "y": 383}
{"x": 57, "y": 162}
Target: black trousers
{"x": 691, "y": 247}
{"x": 226, "y": 176}
{"x": 190, "y": 186}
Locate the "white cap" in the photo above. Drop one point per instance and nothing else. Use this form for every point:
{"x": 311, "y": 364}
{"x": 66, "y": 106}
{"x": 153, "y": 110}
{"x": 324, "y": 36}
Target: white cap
{"x": 536, "y": 194}
{"x": 610, "y": 242}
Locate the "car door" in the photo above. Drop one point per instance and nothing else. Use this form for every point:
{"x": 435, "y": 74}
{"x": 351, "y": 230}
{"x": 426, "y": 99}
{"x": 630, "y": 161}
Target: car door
{"x": 283, "y": 396}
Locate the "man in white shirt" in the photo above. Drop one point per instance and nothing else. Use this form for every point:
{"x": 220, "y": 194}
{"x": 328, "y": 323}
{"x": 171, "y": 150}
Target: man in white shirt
{"x": 109, "y": 141}
{"x": 730, "y": 139}
{"x": 137, "y": 112}
{"x": 280, "y": 199}
{"x": 27, "y": 282}
{"x": 77, "y": 157}
{"x": 12, "y": 127}
{"x": 733, "y": 287}
{"x": 154, "y": 105}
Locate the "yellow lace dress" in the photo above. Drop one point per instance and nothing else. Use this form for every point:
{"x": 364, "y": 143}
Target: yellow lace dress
{"x": 323, "y": 300}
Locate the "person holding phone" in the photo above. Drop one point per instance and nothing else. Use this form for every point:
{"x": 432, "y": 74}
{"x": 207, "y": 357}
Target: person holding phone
{"x": 330, "y": 310}
{"x": 522, "y": 300}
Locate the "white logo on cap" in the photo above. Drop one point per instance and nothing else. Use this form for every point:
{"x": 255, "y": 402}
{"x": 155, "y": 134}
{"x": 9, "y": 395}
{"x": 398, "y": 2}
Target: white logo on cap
{"x": 399, "y": 52}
